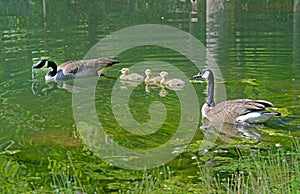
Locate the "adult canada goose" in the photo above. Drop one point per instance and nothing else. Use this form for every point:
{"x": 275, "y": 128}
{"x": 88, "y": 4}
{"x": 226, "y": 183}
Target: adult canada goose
{"x": 130, "y": 77}
{"x": 151, "y": 80}
{"x": 172, "y": 83}
{"x": 74, "y": 69}
{"x": 233, "y": 111}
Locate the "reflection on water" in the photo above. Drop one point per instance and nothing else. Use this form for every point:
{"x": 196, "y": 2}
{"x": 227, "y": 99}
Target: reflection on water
{"x": 228, "y": 132}
{"x": 125, "y": 84}
{"x": 296, "y": 37}
{"x": 255, "y": 40}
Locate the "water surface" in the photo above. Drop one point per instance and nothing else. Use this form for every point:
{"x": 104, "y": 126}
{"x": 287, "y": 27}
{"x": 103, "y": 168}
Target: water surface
{"x": 257, "y": 51}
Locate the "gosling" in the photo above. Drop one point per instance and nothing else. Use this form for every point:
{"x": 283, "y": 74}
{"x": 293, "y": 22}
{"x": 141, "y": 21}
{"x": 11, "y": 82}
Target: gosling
{"x": 149, "y": 80}
{"x": 172, "y": 83}
{"x": 130, "y": 77}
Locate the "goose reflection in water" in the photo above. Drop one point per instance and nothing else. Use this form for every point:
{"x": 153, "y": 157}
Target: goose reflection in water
{"x": 40, "y": 88}
{"x": 162, "y": 90}
{"x": 227, "y": 132}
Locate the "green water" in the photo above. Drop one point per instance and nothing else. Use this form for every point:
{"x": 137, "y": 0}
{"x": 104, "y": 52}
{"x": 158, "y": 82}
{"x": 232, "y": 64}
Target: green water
{"x": 256, "y": 46}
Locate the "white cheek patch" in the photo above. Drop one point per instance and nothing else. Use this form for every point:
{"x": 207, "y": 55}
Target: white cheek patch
{"x": 205, "y": 75}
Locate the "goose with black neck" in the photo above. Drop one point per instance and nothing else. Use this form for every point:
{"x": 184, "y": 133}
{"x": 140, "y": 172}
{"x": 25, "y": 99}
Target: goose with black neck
{"x": 75, "y": 69}
{"x": 233, "y": 111}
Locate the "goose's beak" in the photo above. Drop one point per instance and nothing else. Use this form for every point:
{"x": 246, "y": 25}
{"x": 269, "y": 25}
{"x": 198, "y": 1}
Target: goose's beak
{"x": 40, "y": 64}
{"x": 35, "y": 66}
{"x": 197, "y": 76}
{"x": 112, "y": 63}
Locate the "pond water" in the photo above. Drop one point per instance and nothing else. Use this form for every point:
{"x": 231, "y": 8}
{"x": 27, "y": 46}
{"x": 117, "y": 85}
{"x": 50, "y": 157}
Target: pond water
{"x": 256, "y": 45}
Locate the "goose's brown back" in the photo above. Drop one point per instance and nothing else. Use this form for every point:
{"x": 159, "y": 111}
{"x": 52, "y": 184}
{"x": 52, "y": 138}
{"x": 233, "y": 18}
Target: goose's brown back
{"x": 228, "y": 111}
{"x": 81, "y": 65}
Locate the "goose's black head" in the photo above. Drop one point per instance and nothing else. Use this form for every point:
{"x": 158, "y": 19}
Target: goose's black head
{"x": 51, "y": 64}
{"x": 43, "y": 62}
{"x": 204, "y": 74}
{"x": 39, "y": 64}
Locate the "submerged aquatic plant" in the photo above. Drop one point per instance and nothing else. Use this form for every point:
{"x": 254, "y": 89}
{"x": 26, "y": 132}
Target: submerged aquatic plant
{"x": 65, "y": 178}
{"x": 258, "y": 171}
{"x": 277, "y": 172}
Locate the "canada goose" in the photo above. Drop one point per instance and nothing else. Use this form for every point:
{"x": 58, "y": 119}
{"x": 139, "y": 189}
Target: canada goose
{"x": 151, "y": 80}
{"x": 74, "y": 69}
{"x": 130, "y": 77}
{"x": 172, "y": 83}
{"x": 233, "y": 111}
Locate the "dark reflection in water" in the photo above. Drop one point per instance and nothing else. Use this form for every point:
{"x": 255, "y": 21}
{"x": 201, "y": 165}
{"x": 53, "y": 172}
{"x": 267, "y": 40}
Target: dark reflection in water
{"x": 296, "y": 36}
{"x": 228, "y": 132}
{"x": 241, "y": 34}
{"x": 256, "y": 44}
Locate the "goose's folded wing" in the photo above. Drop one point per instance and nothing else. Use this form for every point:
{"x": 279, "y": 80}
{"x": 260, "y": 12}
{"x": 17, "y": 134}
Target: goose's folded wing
{"x": 76, "y": 66}
{"x": 231, "y": 109}
{"x": 71, "y": 67}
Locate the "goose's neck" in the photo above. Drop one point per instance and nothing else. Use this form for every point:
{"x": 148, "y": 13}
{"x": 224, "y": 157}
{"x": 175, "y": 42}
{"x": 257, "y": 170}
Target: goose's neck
{"x": 147, "y": 79}
{"x": 148, "y": 76}
{"x": 53, "y": 72}
{"x": 210, "y": 91}
{"x": 163, "y": 81}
